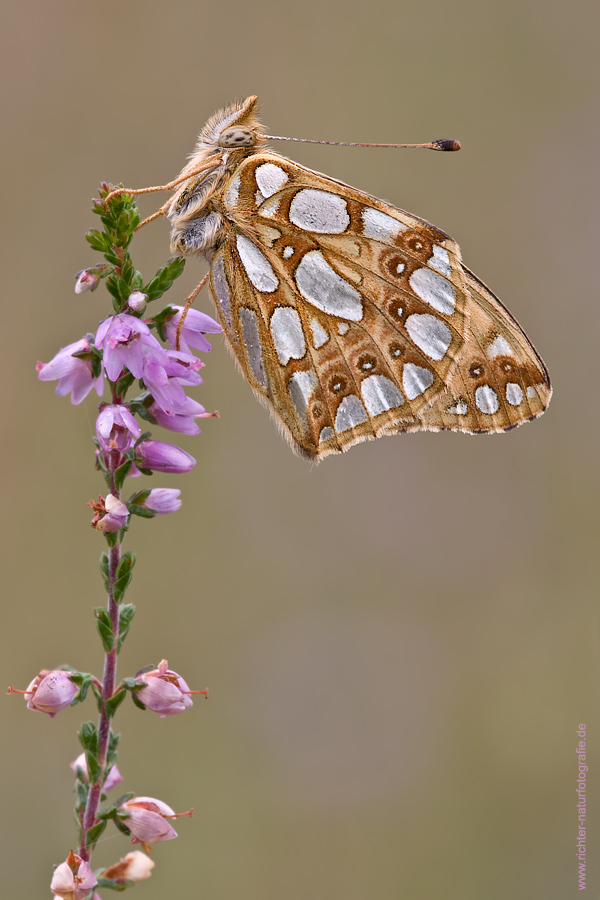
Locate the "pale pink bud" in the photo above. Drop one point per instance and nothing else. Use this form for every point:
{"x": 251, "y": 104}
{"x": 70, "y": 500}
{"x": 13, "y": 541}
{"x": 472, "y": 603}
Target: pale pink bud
{"x": 50, "y": 691}
{"x": 136, "y": 866}
{"x": 165, "y": 692}
{"x": 114, "y": 776}
{"x": 73, "y": 879}
{"x": 147, "y": 820}
{"x": 86, "y": 281}
{"x": 137, "y": 301}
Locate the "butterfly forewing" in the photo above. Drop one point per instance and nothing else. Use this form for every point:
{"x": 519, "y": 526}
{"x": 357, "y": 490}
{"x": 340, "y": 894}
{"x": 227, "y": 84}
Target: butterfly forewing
{"x": 352, "y": 319}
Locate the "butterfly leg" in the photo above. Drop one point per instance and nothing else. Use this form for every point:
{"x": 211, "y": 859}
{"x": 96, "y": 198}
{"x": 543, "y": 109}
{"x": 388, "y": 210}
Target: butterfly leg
{"x": 160, "y": 187}
{"x": 188, "y": 302}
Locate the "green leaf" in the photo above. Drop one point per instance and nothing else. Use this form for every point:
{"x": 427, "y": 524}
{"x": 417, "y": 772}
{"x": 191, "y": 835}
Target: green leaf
{"x": 142, "y": 511}
{"x": 137, "y": 701}
{"x": 113, "y": 703}
{"x": 104, "y": 569}
{"x": 112, "y": 538}
{"x": 121, "y": 474}
{"x": 97, "y": 240}
{"x": 164, "y": 278}
{"x": 98, "y": 695}
{"x": 105, "y": 628}
{"x": 123, "y": 575}
{"x": 81, "y": 794}
{"x": 88, "y": 735}
{"x": 113, "y": 743}
{"x": 124, "y": 383}
{"x": 126, "y": 614}
{"x": 94, "y": 833}
{"x": 120, "y": 801}
{"x": 109, "y": 884}
{"x": 122, "y": 827}
{"x": 140, "y": 496}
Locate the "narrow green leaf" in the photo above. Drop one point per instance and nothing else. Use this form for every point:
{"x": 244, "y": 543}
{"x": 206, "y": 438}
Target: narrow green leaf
{"x": 124, "y": 383}
{"x": 126, "y": 614}
{"x": 164, "y": 278}
{"x": 113, "y": 743}
{"x": 137, "y": 701}
{"x": 124, "y": 575}
{"x": 114, "y": 702}
{"x": 94, "y": 833}
{"x": 104, "y": 569}
{"x": 88, "y": 737}
{"x": 105, "y": 629}
{"x": 121, "y": 474}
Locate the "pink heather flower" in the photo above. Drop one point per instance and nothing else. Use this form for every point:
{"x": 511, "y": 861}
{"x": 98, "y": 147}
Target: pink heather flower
{"x": 110, "y": 514}
{"x": 196, "y": 325}
{"x": 165, "y": 692}
{"x": 183, "y": 421}
{"x": 136, "y": 866}
{"x": 113, "y": 777}
{"x": 116, "y": 428}
{"x": 73, "y": 373}
{"x": 50, "y": 691}
{"x": 73, "y": 879}
{"x": 163, "y": 500}
{"x": 126, "y": 340}
{"x": 137, "y": 301}
{"x": 147, "y": 820}
{"x": 86, "y": 281}
{"x": 161, "y": 457}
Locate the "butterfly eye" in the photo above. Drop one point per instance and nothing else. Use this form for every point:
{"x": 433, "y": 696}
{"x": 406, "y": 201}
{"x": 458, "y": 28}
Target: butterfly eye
{"x": 236, "y": 137}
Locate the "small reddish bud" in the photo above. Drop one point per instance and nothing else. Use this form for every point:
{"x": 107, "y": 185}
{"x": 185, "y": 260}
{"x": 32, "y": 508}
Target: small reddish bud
{"x": 73, "y": 879}
{"x": 136, "y": 866}
{"x": 165, "y": 691}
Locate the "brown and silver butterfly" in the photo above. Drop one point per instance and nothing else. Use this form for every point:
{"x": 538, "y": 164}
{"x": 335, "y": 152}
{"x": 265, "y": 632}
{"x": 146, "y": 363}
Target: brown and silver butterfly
{"x": 349, "y": 318}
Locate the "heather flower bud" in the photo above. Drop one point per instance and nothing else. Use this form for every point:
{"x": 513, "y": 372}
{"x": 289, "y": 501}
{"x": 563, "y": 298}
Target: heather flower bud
{"x": 86, "y": 281}
{"x": 110, "y": 514}
{"x": 137, "y": 301}
{"x": 147, "y": 820}
{"x": 165, "y": 691}
{"x": 163, "y": 500}
{"x": 73, "y": 879}
{"x": 136, "y": 866}
{"x": 79, "y": 766}
{"x": 161, "y": 457}
{"x": 50, "y": 691}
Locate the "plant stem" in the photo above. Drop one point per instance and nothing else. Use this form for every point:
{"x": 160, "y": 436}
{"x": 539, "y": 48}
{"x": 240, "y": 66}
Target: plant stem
{"x": 109, "y": 679}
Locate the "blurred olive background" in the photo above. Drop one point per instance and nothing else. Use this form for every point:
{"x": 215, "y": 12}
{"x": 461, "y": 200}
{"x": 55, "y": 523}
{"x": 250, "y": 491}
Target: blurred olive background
{"x": 401, "y": 642}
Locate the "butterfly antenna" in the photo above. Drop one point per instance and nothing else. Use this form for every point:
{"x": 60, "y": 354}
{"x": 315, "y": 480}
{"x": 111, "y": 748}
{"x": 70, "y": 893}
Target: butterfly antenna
{"x": 442, "y": 144}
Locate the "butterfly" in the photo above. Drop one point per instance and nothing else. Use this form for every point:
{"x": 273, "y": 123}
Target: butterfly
{"x": 349, "y": 318}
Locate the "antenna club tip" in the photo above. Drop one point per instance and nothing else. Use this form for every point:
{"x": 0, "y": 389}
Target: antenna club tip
{"x": 446, "y": 144}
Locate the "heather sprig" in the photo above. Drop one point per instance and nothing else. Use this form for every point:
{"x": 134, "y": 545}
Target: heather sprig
{"x": 130, "y": 353}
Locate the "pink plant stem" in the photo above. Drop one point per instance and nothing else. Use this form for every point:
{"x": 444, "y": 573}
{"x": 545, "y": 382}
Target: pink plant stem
{"x": 109, "y": 679}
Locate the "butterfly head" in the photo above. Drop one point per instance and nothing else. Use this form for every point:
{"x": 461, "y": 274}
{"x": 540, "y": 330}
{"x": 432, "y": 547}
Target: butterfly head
{"x": 234, "y": 128}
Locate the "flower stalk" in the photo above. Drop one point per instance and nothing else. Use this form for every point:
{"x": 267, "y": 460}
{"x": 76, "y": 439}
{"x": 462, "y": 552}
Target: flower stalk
{"x": 158, "y": 352}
